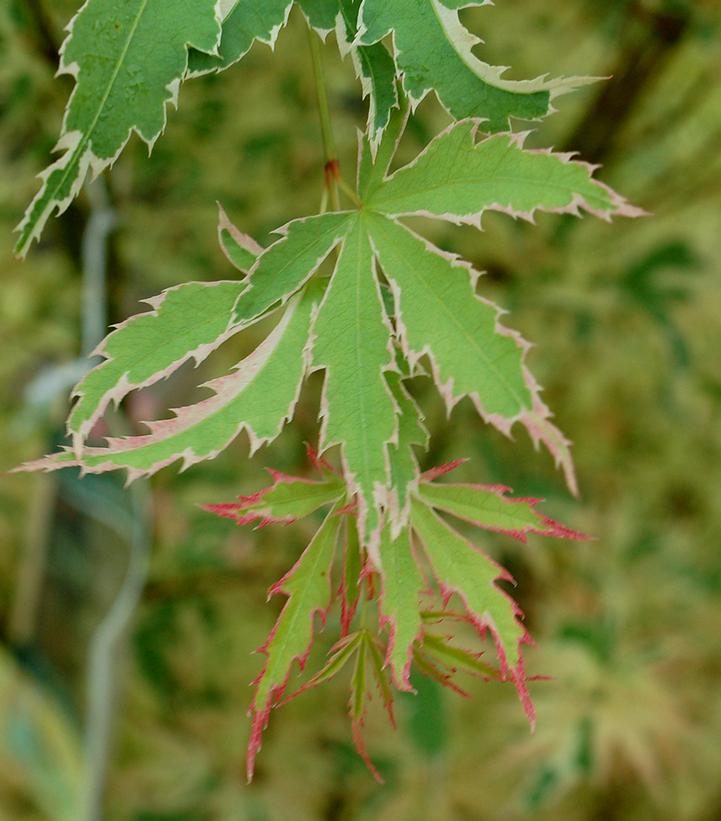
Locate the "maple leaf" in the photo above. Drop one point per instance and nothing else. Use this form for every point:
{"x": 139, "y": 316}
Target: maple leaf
{"x": 240, "y": 250}
{"x": 308, "y": 587}
{"x": 434, "y": 51}
{"x": 128, "y": 61}
{"x": 289, "y": 498}
{"x": 244, "y": 22}
{"x": 259, "y": 396}
{"x": 353, "y": 345}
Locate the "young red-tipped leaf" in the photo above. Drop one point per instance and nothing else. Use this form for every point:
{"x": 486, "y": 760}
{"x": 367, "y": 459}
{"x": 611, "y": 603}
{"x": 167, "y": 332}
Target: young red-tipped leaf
{"x": 462, "y": 569}
{"x": 309, "y": 591}
{"x": 490, "y": 508}
{"x": 289, "y": 498}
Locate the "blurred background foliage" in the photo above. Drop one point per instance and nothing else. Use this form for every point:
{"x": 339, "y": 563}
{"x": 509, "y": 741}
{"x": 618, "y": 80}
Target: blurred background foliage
{"x": 626, "y": 321}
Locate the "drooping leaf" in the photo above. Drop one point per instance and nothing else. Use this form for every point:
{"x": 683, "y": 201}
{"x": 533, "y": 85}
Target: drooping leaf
{"x": 438, "y": 313}
{"x": 490, "y": 508}
{"x": 375, "y": 69}
{"x": 240, "y": 250}
{"x": 461, "y": 568}
{"x": 402, "y": 583}
{"x": 244, "y": 22}
{"x": 412, "y": 433}
{"x": 284, "y": 267}
{"x": 353, "y": 345}
{"x": 457, "y": 178}
{"x": 434, "y": 51}
{"x": 187, "y": 322}
{"x": 259, "y": 396}
{"x": 128, "y": 60}
{"x": 289, "y": 498}
{"x": 308, "y": 587}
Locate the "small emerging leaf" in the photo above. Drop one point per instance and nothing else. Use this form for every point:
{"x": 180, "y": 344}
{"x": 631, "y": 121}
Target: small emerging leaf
{"x": 353, "y": 346}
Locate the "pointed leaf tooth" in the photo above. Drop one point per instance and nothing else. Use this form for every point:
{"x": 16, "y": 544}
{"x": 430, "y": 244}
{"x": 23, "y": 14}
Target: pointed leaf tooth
{"x": 284, "y": 267}
{"x": 188, "y": 321}
{"x": 353, "y": 345}
{"x": 308, "y": 588}
{"x": 401, "y": 588}
{"x": 127, "y": 61}
{"x": 259, "y": 397}
{"x": 239, "y": 249}
{"x": 462, "y": 569}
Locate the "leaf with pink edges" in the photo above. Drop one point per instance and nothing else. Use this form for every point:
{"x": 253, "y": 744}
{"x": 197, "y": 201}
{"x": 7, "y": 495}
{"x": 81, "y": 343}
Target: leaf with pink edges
{"x": 309, "y": 590}
{"x": 463, "y": 570}
{"x": 288, "y": 499}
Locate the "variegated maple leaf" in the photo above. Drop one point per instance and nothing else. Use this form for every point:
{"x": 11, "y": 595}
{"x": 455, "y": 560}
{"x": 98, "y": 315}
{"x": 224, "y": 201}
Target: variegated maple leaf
{"x": 343, "y": 325}
{"x": 428, "y": 548}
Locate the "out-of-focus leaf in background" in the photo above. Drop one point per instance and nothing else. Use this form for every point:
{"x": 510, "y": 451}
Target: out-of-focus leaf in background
{"x": 626, "y": 323}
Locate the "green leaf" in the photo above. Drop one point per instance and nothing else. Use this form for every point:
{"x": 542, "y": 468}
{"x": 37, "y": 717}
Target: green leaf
{"x": 456, "y": 178}
{"x": 373, "y": 164}
{"x": 187, "y": 322}
{"x": 461, "y": 568}
{"x": 455, "y": 658}
{"x": 321, "y": 14}
{"x": 308, "y": 587}
{"x": 289, "y": 498}
{"x": 351, "y": 579}
{"x": 128, "y": 60}
{"x": 434, "y": 51}
{"x": 490, "y": 508}
{"x": 245, "y": 22}
{"x": 240, "y": 250}
{"x": 438, "y": 314}
{"x": 404, "y": 465}
{"x": 375, "y": 69}
{"x": 353, "y": 345}
{"x": 400, "y": 603}
{"x": 259, "y": 396}
{"x": 284, "y": 267}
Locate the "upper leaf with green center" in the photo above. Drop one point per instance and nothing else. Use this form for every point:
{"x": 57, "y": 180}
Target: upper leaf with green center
{"x": 128, "y": 60}
{"x": 457, "y": 179}
{"x": 434, "y": 51}
{"x": 353, "y": 345}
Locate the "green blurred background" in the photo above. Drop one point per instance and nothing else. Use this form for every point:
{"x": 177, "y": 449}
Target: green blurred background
{"x": 626, "y": 321}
